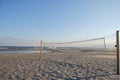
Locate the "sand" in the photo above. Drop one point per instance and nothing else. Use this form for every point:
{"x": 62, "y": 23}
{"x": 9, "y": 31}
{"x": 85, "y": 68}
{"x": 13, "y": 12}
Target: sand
{"x": 59, "y": 66}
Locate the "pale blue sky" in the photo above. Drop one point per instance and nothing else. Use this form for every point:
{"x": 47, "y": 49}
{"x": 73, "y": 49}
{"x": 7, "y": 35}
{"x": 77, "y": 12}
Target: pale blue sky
{"x": 59, "y": 20}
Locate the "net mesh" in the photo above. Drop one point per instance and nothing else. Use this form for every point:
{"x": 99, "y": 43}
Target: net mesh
{"x": 91, "y": 44}
{"x": 96, "y": 44}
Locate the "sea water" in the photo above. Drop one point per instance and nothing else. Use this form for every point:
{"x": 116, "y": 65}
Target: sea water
{"x": 18, "y": 51}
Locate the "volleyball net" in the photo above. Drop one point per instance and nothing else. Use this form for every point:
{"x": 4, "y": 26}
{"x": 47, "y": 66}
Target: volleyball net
{"x": 83, "y": 45}
{"x": 96, "y": 44}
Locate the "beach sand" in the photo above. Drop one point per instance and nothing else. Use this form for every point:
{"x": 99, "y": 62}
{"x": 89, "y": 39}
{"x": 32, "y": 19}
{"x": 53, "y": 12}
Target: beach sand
{"x": 59, "y": 66}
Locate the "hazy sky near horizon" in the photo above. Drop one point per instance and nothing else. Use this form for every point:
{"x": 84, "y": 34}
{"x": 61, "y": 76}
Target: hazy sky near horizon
{"x": 58, "y": 20}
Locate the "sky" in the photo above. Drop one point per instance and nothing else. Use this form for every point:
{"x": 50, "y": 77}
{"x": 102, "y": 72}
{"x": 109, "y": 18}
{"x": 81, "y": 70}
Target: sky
{"x": 57, "y": 20}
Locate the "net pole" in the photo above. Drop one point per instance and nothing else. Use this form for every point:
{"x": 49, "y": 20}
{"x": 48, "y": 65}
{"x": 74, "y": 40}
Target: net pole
{"x": 117, "y": 52}
{"x": 41, "y": 45}
{"x": 105, "y": 44}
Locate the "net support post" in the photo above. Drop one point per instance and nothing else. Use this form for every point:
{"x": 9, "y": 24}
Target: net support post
{"x": 117, "y": 52}
{"x": 104, "y": 43}
{"x": 41, "y": 46}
